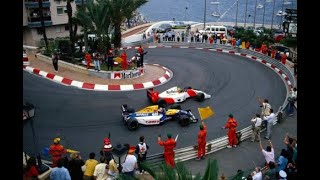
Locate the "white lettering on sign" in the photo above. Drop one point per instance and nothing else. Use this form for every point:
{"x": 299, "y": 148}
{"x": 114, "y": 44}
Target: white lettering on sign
{"x": 131, "y": 74}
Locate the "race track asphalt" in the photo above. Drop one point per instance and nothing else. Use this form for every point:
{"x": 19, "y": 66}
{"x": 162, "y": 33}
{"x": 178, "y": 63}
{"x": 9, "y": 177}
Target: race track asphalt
{"x": 83, "y": 118}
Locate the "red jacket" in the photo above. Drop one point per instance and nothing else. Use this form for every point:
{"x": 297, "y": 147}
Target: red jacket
{"x": 56, "y": 150}
{"x": 169, "y": 144}
{"x": 232, "y": 123}
{"x": 202, "y": 135}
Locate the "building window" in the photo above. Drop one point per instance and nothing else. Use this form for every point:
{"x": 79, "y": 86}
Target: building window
{"x": 58, "y": 29}
{"x": 66, "y": 28}
{"x": 39, "y": 31}
{"x": 61, "y": 10}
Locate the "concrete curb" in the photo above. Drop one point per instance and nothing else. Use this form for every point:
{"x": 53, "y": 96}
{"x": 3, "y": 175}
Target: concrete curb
{"x": 99, "y": 87}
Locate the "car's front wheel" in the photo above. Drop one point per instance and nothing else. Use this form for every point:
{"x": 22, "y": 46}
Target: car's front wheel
{"x": 132, "y": 124}
{"x": 200, "y": 97}
{"x": 184, "y": 120}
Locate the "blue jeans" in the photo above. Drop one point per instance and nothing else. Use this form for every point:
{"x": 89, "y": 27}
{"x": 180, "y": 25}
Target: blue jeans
{"x": 290, "y": 107}
{"x": 96, "y": 64}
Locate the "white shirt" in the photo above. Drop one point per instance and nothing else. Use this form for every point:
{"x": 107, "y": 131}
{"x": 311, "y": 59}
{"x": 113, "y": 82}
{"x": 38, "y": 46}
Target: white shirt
{"x": 271, "y": 118}
{"x": 257, "y": 176}
{"x": 269, "y": 156}
{"x": 129, "y": 164}
{"x": 257, "y": 121}
{"x": 100, "y": 171}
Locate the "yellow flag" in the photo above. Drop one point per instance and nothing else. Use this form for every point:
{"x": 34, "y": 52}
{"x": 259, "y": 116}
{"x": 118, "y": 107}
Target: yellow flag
{"x": 72, "y": 151}
{"x": 205, "y": 112}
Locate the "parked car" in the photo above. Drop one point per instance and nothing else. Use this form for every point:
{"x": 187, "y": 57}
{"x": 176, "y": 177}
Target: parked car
{"x": 230, "y": 30}
{"x": 284, "y": 49}
{"x": 278, "y": 34}
{"x": 163, "y": 28}
{"x": 155, "y": 115}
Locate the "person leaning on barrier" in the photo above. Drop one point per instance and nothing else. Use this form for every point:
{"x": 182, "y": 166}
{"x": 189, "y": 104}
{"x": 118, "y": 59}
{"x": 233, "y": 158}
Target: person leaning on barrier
{"x": 265, "y": 109}
{"x": 270, "y": 119}
{"x": 202, "y": 135}
{"x": 256, "y": 127}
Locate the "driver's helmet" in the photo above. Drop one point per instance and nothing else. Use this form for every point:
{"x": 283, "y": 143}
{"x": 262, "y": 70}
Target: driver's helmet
{"x": 179, "y": 89}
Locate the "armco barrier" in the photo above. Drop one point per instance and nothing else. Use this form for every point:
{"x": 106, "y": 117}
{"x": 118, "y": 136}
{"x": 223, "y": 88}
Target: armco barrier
{"x": 190, "y": 152}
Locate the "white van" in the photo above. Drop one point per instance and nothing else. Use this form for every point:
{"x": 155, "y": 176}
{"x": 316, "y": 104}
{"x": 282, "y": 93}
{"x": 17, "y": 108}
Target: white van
{"x": 215, "y": 29}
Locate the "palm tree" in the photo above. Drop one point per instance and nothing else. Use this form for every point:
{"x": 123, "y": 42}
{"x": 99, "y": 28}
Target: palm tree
{"x": 43, "y": 28}
{"x": 119, "y": 10}
{"x": 70, "y": 22}
{"x": 181, "y": 172}
{"x": 95, "y": 17}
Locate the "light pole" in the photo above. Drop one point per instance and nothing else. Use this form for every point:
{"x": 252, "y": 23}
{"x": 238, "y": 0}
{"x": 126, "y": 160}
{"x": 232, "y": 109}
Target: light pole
{"x": 274, "y": 3}
{"x": 245, "y": 14}
{"x": 254, "y": 18}
{"x": 264, "y": 10}
{"x": 119, "y": 154}
{"x": 28, "y": 114}
{"x": 204, "y": 14}
{"x": 237, "y": 13}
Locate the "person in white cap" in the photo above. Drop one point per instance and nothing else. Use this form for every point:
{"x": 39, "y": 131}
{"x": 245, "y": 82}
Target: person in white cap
{"x": 283, "y": 175}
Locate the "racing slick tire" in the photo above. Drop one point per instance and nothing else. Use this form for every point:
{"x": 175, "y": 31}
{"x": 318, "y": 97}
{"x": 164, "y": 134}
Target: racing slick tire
{"x": 162, "y": 103}
{"x": 175, "y": 106}
{"x": 132, "y": 124}
{"x": 184, "y": 121}
{"x": 200, "y": 97}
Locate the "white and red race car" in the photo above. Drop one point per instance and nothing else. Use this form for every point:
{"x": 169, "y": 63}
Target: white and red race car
{"x": 175, "y": 95}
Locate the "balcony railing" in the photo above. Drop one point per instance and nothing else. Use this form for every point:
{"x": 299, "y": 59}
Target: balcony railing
{"x": 35, "y": 4}
{"x": 38, "y": 19}
{"x": 38, "y": 24}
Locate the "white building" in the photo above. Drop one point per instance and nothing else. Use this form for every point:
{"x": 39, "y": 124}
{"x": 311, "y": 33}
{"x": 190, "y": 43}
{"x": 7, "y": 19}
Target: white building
{"x": 56, "y": 20}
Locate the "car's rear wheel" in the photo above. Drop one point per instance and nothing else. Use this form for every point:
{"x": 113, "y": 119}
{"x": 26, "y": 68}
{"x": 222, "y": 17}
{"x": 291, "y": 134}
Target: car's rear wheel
{"x": 132, "y": 124}
{"x": 175, "y": 106}
{"x": 184, "y": 121}
{"x": 200, "y": 97}
{"x": 162, "y": 103}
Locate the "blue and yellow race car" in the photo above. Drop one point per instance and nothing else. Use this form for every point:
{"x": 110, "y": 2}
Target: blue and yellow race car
{"x": 155, "y": 115}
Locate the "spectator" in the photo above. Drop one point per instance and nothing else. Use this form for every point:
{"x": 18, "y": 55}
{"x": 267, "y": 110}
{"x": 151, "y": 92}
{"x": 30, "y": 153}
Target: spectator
{"x": 169, "y": 144}
{"x": 56, "y": 151}
{"x": 292, "y": 99}
{"x": 270, "y": 119}
{"x": 273, "y": 53}
{"x": 222, "y": 177}
{"x": 284, "y": 58}
{"x": 96, "y": 61}
{"x": 202, "y": 135}
{"x": 257, "y": 174}
{"x": 100, "y": 172}
{"x": 124, "y": 60}
{"x": 290, "y": 143}
{"x": 144, "y": 35}
{"x": 141, "y": 151}
{"x": 278, "y": 56}
{"x": 90, "y": 166}
{"x": 107, "y": 148}
{"x": 110, "y": 61}
{"x": 256, "y": 127}
{"x": 60, "y": 172}
{"x": 282, "y": 160}
{"x": 55, "y": 59}
{"x": 282, "y": 175}
{"x": 31, "y": 171}
{"x": 141, "y": 53}
{"x": 247, "y": 45}
{"x": 265, "y": 109}
{"x": 270, "y": 173}
{"x": 75, "y": 165}
{"x": 88, "y": 59}
{"x": 231, "y": 125}
{"x": 268, "y": 153}
{"x": 292, "y": 171}
{"x": 130, "y": 164}
{"x": 113, "y": 168}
